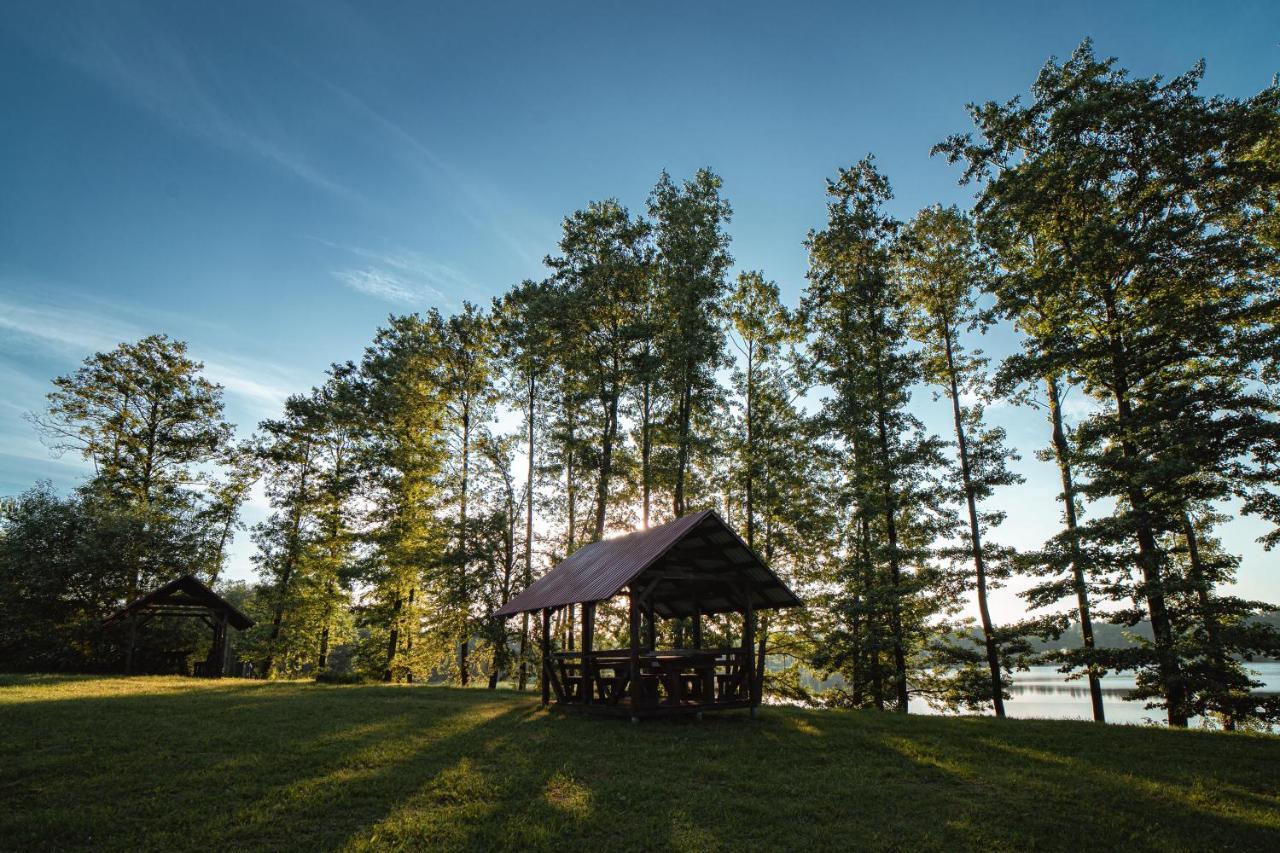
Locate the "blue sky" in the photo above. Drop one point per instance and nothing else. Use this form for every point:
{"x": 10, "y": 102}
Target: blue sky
{"x": 269, "y": 181}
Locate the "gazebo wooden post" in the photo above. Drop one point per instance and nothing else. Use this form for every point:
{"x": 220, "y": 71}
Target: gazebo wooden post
{"x": 748, "y": 648}
{"x": 697, "y": 626}
{"x": 588, "y": 638}
{"x": 219, "y": 647}
{"x": 211, "y": 661}
{"x": 226, "y": 645}
{"x": 133, "y": 641}
{"x": 634, "y": 684}
{"x": 545, "y": 677}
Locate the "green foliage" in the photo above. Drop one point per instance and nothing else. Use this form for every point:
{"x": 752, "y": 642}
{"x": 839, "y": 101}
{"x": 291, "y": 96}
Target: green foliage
{"x": 162, "y": 501}
{"x": 691, "y": 262}
{"x": 405, "y": 412}
{"x": 306, "y": 552}
{"x": 152, "y": 427}
{"x": 1105, "y": 199}
{"x": 942, "y": 267}
{"x": 62, "y": 566}
{"x": 883, "y": 590}
{"x": 602, "y": 273}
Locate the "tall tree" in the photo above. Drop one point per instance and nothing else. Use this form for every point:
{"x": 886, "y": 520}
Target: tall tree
{"x": 497, "y": 547}
{"x": 403, "y": 463}
{"x": 465, "y": 356}
{"x": 305, "y": 547}
{"x": 768, "y": 456}
{"x": 339, "y": 498}
{"x": 942, "y": 268}
{"x": 602, "y": 271}
{"x": 691, "y": 262}
{"x": 152, "y": 427}
{"x": 524, "y": 324}
{"x": 859, "y": 347}
{"x": 1066, "y": 566}
{"x": 790, "y": 503}
{"x": 1125, "y": 181}
{"x": 289, "y": 459}
{"x": 761, "y": 325}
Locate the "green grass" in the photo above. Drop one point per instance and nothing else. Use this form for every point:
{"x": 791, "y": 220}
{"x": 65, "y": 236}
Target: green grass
{"x": 168, "y": 763}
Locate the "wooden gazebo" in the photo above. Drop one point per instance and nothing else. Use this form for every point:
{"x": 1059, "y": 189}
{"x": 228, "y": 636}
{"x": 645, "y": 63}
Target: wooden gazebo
{"x": 692, "y": 567}
{"x": 185, "y": 596}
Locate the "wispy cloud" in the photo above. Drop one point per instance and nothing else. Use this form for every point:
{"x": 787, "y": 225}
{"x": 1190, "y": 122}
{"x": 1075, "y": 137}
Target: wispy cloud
{"x": 404, "y": 277}
{"x": 148, "y": 66}
{"x": 246, "y": 381}
{"x": 480, "y": 205}
{"x": 174, "y": 78}
{"x": 385, "y": 285}
{"x": 73, "y": 333}
{"x": 68, "y": 330}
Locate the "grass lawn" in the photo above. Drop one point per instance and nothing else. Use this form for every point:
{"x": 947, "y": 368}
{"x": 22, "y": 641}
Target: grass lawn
{"x": 165, "y": 763}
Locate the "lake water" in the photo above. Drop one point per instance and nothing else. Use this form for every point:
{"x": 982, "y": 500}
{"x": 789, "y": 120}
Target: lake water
{"x": 1044, "y": 692}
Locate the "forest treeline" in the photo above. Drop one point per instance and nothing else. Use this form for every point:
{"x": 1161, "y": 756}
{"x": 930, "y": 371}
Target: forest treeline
{"x": 1126, "y": 229}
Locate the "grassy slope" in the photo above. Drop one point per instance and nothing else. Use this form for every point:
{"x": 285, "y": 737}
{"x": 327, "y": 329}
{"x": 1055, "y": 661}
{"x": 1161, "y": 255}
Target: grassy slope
{"x": 177, "y": 763}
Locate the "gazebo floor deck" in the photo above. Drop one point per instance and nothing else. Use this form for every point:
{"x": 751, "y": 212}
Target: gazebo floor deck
{"x": 624, "y": 708}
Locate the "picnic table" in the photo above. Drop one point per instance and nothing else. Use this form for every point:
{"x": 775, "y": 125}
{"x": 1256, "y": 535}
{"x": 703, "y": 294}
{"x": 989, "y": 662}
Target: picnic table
{"x": 682, "y": 672}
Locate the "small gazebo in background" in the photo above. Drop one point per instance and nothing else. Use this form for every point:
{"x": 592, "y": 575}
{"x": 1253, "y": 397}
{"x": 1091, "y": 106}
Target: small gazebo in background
{"x": 184, "y": 597}
{"x": 693, "y": 567}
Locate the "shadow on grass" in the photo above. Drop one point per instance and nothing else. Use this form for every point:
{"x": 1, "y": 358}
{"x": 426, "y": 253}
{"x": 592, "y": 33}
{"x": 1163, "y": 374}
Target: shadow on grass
{"x": 162, "y": 763}
{"x": 1022, "y": 784}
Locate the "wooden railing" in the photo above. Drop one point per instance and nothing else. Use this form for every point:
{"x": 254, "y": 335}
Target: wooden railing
{"x": 666, "y": 677}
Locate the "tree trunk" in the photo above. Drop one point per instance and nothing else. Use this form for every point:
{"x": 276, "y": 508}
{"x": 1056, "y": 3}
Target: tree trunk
{"x": 291, "y": 559}
{"x": 528, "y": 539}
{"x": 148, "y": 474}
{"x": 393, "y": 640}
{"x": 216, "y": 569}
{"x": 1149, "y": 555}
{"x": 543, "y": 681}
{"x": 868, "y": 579}
{"x": 751, "y": 456}
{"x": 761, "y": 652}
{"x": 646, "y": 453}
{"x": 571, "y": 494}
{"x": 322, "y": 659}
{"x": 1201, "y": 584}
{"x": 494, "y": 664}
{"x": 684, "y": 416}
{"x": 610, "y": 402}
{"x": 569, "y": 549}
{"x": 463, "y": 555}
{"x": 499, "y": 660}
{"x": 1062, "y": 452}
{"x": 979, "y": 561}
{"x": 891, "y": 533}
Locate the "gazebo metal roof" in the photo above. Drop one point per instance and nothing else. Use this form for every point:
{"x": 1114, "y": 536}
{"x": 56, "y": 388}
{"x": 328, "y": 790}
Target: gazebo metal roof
{"x": 695, "y": 564}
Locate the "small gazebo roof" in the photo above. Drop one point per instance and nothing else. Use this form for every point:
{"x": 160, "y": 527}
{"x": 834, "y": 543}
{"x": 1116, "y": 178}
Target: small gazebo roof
{"x": 695, "y": 564}
{"x": 183, "y": 595}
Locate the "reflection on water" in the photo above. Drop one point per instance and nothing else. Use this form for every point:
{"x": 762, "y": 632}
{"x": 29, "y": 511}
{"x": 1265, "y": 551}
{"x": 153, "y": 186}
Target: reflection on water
{"x": 1045, "y": 692}
{"x": 1072, "y": 690}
